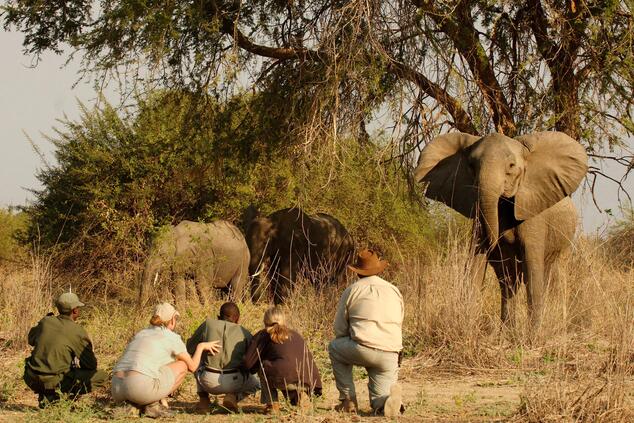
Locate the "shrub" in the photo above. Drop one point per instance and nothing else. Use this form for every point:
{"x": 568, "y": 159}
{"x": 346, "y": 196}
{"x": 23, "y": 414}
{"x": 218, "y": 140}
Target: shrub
{"x": 11, "y": 222}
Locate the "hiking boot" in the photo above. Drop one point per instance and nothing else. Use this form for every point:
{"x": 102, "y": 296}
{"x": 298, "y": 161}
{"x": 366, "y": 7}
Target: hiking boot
{"x": 203, "y": 403}
{"x": 230, "y": 402}
{"x": 347, "y": 405}
{"x": 47, "y": 398}
{"x": 272, "y": 408}
{"x": 394, "y": 402}
{"x": 157, "y": 411}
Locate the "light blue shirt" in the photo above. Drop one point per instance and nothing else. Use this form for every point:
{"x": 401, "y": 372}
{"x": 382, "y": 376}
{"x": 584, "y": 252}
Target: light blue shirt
{"x": 150, "y": 349}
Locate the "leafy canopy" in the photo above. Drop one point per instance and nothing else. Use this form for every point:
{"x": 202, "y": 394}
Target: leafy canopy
{"x": 417, "y": 66}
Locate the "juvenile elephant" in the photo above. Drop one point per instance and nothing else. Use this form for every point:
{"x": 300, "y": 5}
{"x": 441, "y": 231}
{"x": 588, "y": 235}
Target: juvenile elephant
{"x": 214, "y": 255}
{"x": 518, "y": 192}
{"x": 292, "y": 240}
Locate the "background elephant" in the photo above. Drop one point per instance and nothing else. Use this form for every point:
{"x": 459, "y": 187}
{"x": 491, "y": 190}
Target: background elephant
{"x": 214, "y": 255}
{"x": 290, "y": 240}
{"x": 518, "y": 191}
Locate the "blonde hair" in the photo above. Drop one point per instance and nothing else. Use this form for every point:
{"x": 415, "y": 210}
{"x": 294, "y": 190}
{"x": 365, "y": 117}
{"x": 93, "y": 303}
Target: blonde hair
{"x": 275, "y": 324}
{"x": 157, "y": 321}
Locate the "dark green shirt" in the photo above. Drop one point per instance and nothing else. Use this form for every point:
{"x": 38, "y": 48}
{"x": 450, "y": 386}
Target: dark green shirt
{"x": 234, "y": 338}
{"x": 58, "y": 343}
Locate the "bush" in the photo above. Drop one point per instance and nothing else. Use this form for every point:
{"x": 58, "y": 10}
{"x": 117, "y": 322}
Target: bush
{"x": 120, "y": 177}
{"x": 11, "y": 223}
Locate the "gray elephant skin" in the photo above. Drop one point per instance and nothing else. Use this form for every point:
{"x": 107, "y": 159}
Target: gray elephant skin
{"x": 292, "y": 241}
{"x": 214, "y": 255}
{"x": 518, "y": 191}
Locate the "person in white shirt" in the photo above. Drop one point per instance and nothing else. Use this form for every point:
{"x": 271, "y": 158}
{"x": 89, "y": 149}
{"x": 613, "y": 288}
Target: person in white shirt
{"x": 368, "y": 333}
{"x": 155, "y": 363}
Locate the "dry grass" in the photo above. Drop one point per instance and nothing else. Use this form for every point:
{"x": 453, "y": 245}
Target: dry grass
{"x": 579, "y": 367}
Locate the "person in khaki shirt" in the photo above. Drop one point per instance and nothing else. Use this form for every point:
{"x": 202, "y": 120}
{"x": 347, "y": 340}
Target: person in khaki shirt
{"x": 368, "y": 331}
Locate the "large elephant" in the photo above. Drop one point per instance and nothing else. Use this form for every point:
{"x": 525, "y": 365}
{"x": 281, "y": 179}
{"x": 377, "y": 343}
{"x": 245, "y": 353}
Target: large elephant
{"x": 518, "y": 191}
{"x": 293, "y": 241}
{"x": 214, "y": 255}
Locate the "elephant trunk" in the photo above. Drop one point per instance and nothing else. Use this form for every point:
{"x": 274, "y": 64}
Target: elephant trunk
{"x": 490, "y": 190}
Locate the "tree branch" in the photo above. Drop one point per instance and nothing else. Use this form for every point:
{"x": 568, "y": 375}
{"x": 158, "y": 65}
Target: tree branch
{"x": 462, "y": 121}
{"x": 464, "y": 36}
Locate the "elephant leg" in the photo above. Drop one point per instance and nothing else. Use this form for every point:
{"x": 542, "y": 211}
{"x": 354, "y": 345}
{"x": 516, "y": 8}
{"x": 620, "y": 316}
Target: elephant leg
{"x": 237, "y": 285}
{"x": 508, "y": 273}
{"x": 535, "y": 286}
{"x": 180, "y": 292}
{"x": 205, "y": 291}
{"x": 282, "y": 283}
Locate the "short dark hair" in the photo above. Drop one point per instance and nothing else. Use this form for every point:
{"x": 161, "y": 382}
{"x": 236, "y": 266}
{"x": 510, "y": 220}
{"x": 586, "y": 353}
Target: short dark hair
{"x": 229, "y": 311}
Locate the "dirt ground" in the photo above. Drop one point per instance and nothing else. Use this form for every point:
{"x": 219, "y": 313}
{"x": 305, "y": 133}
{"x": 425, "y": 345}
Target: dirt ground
{"x": 429, "y": 395}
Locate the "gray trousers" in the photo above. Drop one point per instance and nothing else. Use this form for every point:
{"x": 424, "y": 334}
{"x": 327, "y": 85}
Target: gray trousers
{"x": 382, "y": 368}
{"x": 226, "y": 383}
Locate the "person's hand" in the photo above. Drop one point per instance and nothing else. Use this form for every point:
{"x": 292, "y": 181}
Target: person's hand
{"x": 213, "y": 346}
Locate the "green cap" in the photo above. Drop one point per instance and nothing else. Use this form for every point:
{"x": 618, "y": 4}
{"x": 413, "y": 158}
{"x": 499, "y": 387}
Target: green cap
{"x": 67, "y": 302}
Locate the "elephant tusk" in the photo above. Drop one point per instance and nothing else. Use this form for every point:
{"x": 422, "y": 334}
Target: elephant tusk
{"x": 257, "y": 273}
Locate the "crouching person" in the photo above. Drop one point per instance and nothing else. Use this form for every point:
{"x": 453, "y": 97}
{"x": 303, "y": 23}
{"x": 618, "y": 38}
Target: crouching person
{"x": 368, "y": 334}
{"x": 155, "y": 363}
{"x": 62, "y": 359}
{"x": 283, "y": 361}
{"x": 222, "y": 373}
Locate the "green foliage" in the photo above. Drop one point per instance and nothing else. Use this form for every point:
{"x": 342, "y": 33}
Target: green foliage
{"x": 369, "y": 197}
{"x": 11, "y": 223}
{"x": 120, "y": 177}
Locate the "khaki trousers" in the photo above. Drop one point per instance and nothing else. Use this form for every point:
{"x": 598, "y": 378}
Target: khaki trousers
{"x": 382, "y": 368}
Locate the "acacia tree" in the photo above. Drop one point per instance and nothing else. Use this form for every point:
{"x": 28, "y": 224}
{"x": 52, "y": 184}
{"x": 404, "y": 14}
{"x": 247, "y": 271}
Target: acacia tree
{"x": 333, "y": 65}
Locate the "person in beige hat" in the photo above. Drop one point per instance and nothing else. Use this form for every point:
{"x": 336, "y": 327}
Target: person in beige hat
{"x": 368, "y": 331}
{"x": 62, "y": 359}
{"x": 155, "y": 363}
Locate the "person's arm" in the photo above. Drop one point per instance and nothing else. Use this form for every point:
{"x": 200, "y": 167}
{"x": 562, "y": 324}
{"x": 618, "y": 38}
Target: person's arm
{"x": 252, "y": 356}
{"x": 196, "y": 338}
{"x": 84, "y": 351}
{"x": 342, "y": 326}
{"x": 193, "y": 361}
{"x": 34, "y": 333}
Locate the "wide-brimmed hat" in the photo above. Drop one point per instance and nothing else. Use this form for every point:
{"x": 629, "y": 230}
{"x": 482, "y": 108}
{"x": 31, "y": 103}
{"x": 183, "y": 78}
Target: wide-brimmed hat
{"x": 67, "y": 302}
{"x": 368, "y": 263}
{"x": 165, "y": 311}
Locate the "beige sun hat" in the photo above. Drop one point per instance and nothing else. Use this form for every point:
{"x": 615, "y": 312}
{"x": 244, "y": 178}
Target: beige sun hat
{"x": 368, "y": 264}
{"x": 165, "y": 311}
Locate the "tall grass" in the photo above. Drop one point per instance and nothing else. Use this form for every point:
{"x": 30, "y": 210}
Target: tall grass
{"x": 583, "y": 355}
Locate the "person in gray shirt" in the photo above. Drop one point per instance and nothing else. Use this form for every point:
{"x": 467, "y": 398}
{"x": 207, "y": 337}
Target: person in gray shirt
{"x": 221, "y": 373}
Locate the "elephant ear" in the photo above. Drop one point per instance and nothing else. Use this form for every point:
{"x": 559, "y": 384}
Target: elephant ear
{"x": 443, "y": 166}
{"x": 555, "y": 166}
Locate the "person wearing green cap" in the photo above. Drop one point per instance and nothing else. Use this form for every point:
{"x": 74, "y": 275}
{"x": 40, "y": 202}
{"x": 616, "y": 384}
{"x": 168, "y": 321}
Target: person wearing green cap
{"x": 62, "y": 359}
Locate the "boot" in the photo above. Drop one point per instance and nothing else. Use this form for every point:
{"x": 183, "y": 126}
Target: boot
{"x": 156, "y": 411}
{"x": 347, "y": 405}
{"x": 394, "y": 402}
{"x": 46, "y": 398}
{"x": 203, "y": 403}
{"x": 230, "y": 402}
